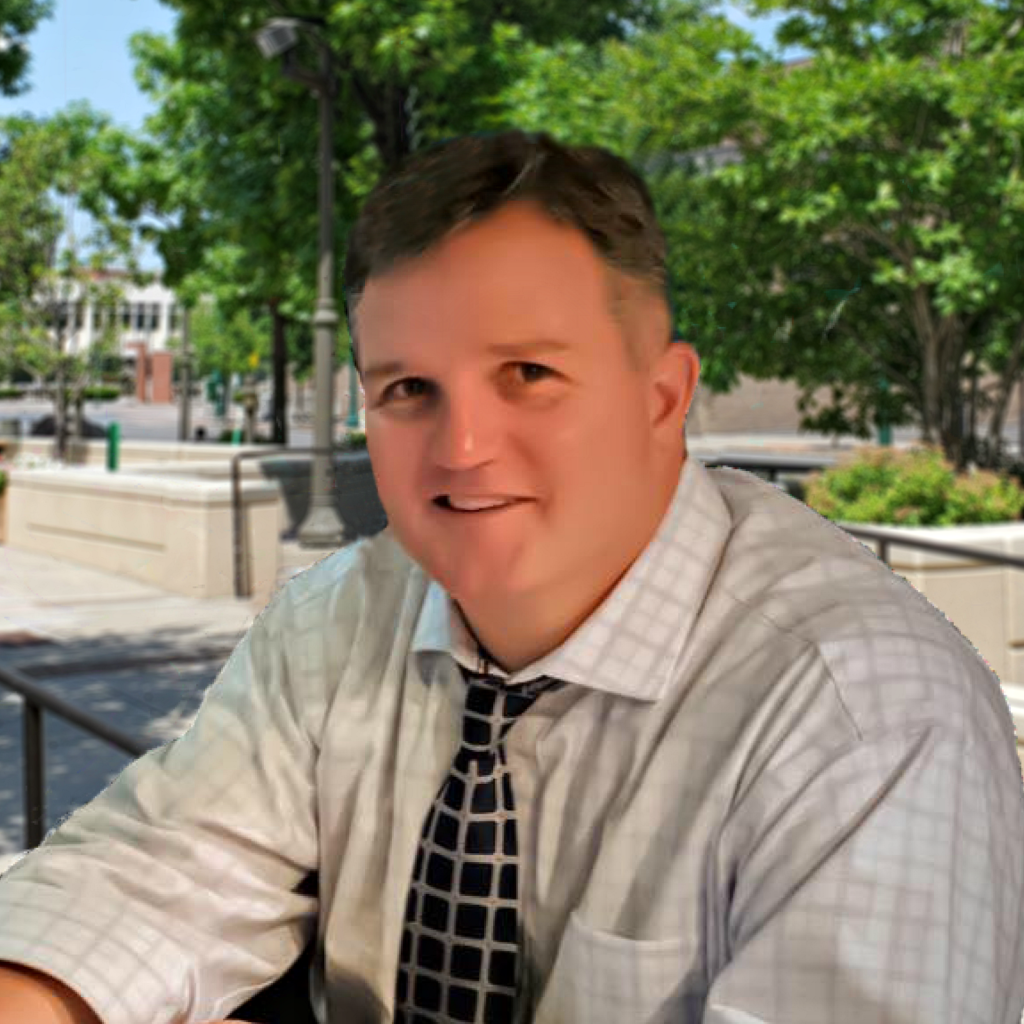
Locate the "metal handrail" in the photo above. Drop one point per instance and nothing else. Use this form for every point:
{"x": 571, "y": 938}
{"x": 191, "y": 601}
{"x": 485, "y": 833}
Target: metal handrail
{"x": 885, "y": 540}
{"x": 292, "y": 987}
{"x": 770, "y": 463}
{"x": 36, "y": 700}
{"x": 774, "y": 464}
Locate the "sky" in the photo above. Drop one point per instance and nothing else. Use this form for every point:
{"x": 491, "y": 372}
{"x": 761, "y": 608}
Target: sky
{"x": 81, "y": 53}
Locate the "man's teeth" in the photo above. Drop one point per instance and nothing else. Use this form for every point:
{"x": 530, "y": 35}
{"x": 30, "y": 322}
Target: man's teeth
{"x": 469, "y": 505}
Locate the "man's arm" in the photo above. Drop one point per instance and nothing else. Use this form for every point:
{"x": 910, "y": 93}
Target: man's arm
{"x": 31, "y": 997}
{"x": 886, "y": 884}
{"x": 178, "y": 886}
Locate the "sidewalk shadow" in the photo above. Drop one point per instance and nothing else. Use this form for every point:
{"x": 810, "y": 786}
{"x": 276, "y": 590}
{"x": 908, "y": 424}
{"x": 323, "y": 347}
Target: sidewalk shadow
{"x": 149, "y": 686}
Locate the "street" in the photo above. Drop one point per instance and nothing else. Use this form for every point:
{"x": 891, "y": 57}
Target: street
{"x": 149, "y": 422}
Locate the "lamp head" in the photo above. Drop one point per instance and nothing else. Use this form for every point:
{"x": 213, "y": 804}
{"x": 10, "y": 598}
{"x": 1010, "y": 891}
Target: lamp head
{"x": 277, "y": 37}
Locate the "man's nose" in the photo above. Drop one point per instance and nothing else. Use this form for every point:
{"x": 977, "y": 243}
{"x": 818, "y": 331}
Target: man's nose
{"x": 465, "y": 431}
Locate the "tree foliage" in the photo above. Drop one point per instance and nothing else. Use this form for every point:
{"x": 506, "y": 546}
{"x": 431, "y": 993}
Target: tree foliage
{"x": 866, "y": 238}
{"x": 228, "y": 173}
{"x": 870, "y": 229}
{"x": 45, "y": 270}
{"x": 229, "y": 343}
{"x": 18, "y": 18}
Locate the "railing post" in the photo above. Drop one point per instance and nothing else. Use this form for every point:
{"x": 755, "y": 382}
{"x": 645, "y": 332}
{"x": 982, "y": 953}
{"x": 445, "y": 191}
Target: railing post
{"x": 35, "y": 806}
{"x": 241, "y": 576}
{"x": 241, "y": 563}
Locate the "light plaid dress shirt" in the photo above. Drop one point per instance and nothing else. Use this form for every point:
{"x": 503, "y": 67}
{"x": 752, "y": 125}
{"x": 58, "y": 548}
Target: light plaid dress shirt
{"x": 779, "y": 787}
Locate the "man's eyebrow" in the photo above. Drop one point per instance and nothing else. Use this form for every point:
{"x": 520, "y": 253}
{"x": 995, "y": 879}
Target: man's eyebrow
{"x": 512, "y": 348}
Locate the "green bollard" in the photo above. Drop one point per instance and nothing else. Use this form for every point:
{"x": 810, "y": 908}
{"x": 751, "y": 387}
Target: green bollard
{"x": 236, "y": 436}
{"x": 113, "y": 446}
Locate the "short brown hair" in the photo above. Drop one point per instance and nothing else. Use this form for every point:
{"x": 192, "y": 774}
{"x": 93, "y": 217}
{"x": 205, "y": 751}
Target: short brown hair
{"x": 436, "y": 190}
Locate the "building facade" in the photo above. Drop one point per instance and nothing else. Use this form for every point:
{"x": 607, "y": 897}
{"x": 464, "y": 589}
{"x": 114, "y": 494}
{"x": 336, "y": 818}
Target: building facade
{"x": 148, "y": 315}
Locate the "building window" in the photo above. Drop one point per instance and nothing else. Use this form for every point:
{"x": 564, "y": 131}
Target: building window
{"x": 79, "y": 315}
{"x": 125, "y": 315}
{"x": 139, "y": 316}
{"x": 154, "y": 316}
{"x": 175, "y": 318}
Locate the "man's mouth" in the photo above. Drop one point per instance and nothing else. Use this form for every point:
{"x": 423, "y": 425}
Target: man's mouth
{"x": 444, "y": 503}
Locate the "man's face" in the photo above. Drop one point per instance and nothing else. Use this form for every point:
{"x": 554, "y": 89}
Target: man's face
{"x": 591, "y": 446}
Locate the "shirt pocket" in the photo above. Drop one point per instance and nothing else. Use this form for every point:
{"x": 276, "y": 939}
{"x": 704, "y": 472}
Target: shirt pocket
{"x": 599, "y": 977}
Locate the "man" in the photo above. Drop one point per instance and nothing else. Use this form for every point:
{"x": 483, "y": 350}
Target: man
{"x": 639, "y": 742}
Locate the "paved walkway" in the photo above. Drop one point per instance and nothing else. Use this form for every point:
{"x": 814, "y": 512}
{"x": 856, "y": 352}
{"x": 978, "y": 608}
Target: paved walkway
{"x": 142, "y": 658}
{"x": 121, "y": 650}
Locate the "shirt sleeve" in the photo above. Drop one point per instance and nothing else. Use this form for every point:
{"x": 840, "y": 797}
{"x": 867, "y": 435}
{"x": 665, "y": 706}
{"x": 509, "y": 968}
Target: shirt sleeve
{"x": 172, "y": 896}
{"x": 885, "y": 885}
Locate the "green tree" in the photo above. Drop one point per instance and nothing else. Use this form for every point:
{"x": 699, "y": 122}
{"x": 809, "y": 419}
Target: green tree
{"x": 29, "y": 230}
{"x": 46, "y": 275}
{"x": 871, "y": 228}
{"x": 17, "y": 19}
{"x": 230, "y": 155}
{"x": 227, "y": 341}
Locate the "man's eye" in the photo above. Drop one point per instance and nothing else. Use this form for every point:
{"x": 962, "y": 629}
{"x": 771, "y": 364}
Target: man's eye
{"x": 389, "y": 395}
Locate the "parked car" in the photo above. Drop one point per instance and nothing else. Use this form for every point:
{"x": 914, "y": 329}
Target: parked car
{"x": 44, "y": 427}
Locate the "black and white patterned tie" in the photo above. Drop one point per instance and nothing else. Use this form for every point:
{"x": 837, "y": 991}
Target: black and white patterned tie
{"x": 460, "y": 944}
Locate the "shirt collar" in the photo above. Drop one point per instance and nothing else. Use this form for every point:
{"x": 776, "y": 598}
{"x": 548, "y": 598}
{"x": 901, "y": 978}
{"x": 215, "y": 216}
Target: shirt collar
{"x": 632, "y": 644}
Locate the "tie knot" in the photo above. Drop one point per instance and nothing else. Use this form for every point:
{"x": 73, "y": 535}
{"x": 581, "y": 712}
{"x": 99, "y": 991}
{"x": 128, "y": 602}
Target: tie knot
{"x": 492, "y": 708}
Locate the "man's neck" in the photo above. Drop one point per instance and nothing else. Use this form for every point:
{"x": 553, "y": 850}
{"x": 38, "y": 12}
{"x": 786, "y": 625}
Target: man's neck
{"x": 513, "y": 638}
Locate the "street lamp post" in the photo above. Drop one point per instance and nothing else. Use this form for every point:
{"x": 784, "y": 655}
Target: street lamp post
{"x": 322, "y": 527}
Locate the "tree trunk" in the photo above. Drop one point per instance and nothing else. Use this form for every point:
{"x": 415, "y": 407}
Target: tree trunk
{"x": 79, "y": 429}
{"x": 60, "y": 419}
{"x": 226, "y": 419}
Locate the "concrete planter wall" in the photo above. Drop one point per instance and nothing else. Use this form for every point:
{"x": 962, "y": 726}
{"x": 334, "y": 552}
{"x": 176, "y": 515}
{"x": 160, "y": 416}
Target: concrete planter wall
{"x": 984, "y": 601}
{"x": 93, "y": 452}
{"x": 356, "y": 499}
{"x": 171, "y": 531}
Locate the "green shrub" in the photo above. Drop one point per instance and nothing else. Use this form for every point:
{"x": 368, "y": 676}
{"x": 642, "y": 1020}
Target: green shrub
{"x": 912, "y": 487}
{"x": 3, "y": 481}
{"x": 354, "y": 441}
{"x": 101, "y": 394}
{"x": 11, "y": 392}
